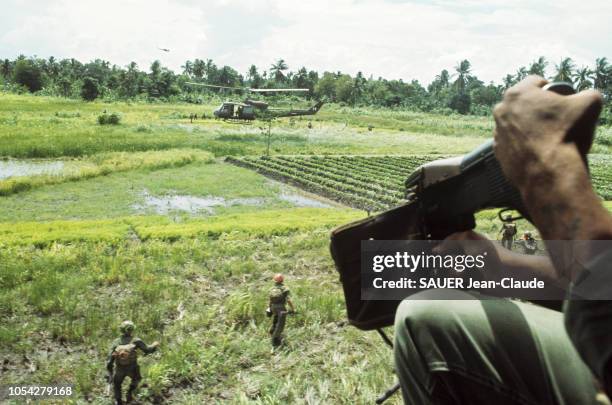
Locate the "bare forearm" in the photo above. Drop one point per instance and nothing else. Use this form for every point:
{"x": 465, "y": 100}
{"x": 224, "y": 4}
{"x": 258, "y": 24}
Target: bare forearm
{"x": 562, "y": 202}
{"x": 568, "y": 209}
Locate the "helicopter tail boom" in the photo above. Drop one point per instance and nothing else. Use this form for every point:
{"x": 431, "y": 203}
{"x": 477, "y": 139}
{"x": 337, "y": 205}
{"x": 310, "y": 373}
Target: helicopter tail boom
{"x": 310, "y": 111}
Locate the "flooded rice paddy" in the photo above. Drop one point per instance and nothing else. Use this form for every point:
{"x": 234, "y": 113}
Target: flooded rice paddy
{"x": 19, "y": 168}
{"x": 165, "y": 204}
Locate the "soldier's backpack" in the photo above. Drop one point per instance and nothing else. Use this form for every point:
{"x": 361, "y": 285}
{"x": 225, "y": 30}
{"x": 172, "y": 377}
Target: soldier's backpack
{"x": 509, "y": 230}
{"x": 125, "y": 355}
{"x": 278, "y": 296}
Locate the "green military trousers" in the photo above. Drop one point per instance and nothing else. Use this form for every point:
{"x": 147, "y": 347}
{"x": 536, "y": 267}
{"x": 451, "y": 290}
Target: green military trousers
{"x": 121, "y": 372}
{"x": 486, "y": 351}
{"x": 278, "y": 326}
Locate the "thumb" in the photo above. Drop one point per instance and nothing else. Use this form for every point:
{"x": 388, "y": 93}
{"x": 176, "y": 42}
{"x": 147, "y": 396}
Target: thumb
{"x": 582, "y": 111}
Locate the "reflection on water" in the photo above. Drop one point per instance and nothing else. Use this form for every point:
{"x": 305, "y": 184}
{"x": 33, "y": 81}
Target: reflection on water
{"x": 15, "y": 168}
{"x": 192, "y": 204}
{"x": 302, "y": 201}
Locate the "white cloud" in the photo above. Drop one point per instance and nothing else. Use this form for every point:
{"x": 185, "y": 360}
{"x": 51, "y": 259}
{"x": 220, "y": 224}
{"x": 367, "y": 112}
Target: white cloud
{"x": 393, "y": 39}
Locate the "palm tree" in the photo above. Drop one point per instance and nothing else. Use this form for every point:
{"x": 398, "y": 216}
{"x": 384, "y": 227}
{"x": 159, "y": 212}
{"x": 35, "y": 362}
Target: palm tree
{"x": 52, "y": 67}
{"x": 199, "y": 69}
{"x": 463, "y": 70}
{"x": 538, "y": 67}
{"x": 359, "y": 85}
{"x": 440, "y": 82}
{"x": 565, "y": 70}
{"x": 583, "y": 78}
{"x": 252, "y": 74}
{"x": 508, "y": 81}
{"x": 210, "y": 69}
{"x": 187, "y": 68}
{"x": 155, "y": 68}
{"x": 602, "y": 73}
{"x": 521, "y": 73}
{"x": 443, "y": 78}
{"x": 6, "y": 68}
{"x": 277, "y": 70}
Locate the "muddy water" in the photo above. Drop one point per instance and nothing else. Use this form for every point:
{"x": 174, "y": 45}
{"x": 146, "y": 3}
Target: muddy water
{"x": 16, "y": 168}
{"x": 300, "y": 198}
{"x": 302, "y": 201}
{"x": 192, "y": 204}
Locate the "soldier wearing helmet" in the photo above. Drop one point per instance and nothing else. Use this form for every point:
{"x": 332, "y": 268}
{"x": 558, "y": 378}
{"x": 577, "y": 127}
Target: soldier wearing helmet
{"x": 123, "y": 361}
{"x": 529, "y": 244}
{"x": 508, "y": 230}
{"x": 278, "y": 301}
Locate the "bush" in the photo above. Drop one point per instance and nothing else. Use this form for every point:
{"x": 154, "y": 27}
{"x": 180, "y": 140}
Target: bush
{"x": 28, "y": 74}
{"x": 109, "y": 119}
{"x": 144, "y": 128}
{"x": 67, "y": 114}
{"x": 460, "y": 103}
{"x": 90, "y": 89}
{"x": 604, "y": 139}
{"x": 606, "y": 115}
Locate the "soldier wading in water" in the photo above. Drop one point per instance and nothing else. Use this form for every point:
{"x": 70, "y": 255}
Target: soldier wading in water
{"x": 123, "y": 358}
{"x": 279, "y": 299}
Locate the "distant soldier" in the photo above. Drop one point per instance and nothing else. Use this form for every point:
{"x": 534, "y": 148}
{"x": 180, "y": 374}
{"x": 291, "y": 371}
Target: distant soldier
{"x": 309, "y": 125}
{"x": 279, "y": 298}
{"x": 508, "y": 230}
{"x": 529, "y": 244}
{"x": 195, "y": 117}
{"x": 191, "y": 118}
{"x": 123, "y": 358}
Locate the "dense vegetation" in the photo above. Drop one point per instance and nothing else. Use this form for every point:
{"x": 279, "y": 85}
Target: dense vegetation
{"x": 458, "y": 90}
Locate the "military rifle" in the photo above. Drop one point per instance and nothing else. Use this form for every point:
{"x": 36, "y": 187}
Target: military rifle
{"x": 442, "y": 198}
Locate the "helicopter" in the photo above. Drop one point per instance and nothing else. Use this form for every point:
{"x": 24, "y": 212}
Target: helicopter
{"x": 249, "y": 110}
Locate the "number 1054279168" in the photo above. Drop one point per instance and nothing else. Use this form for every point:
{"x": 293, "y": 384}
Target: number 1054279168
{"x": 15, "y": 391}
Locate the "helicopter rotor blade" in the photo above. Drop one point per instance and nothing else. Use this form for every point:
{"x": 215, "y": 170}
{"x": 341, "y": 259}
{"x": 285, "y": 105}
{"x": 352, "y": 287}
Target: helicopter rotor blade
{"x": 247, "y": 88}
{"x": 273, "y": 90}
{"x": 217, "y": 87}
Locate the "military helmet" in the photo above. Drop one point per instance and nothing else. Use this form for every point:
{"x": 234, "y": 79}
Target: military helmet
{"x": 278, "y": 278}
{"x": 508, "y": 217}
{"x": 127, "y": 327}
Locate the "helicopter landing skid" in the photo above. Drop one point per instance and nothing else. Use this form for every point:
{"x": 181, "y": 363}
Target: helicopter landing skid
{"x": 238, "y": 121}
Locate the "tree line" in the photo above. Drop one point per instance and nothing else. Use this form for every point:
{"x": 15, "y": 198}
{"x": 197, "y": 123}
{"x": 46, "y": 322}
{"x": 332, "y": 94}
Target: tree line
{"x": 456, "y": 90}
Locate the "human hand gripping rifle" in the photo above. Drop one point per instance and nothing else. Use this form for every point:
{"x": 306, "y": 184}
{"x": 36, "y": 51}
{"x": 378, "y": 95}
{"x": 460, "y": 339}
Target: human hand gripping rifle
{"x": 442, "y": 198}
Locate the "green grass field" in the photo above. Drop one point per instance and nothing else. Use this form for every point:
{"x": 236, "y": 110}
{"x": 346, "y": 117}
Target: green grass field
{"x": 39, "y": 127}
{"x": 147, "y": 221}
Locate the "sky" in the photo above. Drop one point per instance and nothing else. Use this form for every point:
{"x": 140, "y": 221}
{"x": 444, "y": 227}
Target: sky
{"x": 394, "y": 39}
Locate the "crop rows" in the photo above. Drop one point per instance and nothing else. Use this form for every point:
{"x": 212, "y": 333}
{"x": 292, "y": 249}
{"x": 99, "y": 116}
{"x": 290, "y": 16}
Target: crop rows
{"x": 371, "y": 182}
